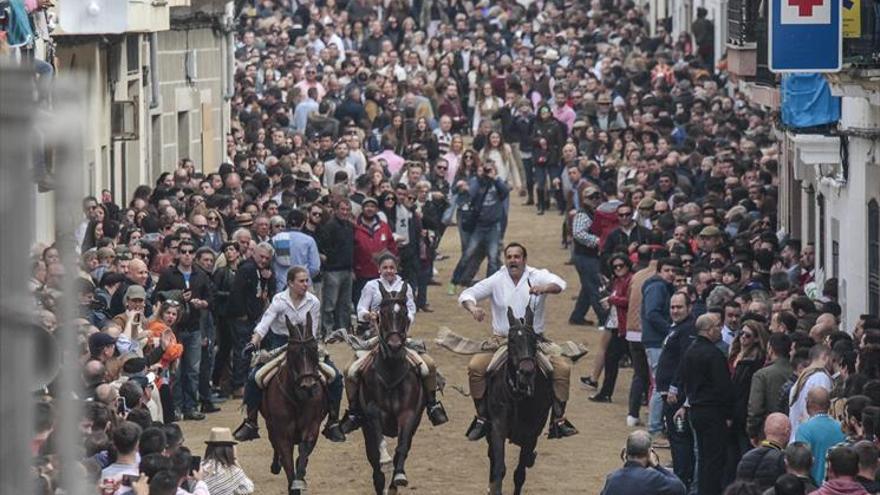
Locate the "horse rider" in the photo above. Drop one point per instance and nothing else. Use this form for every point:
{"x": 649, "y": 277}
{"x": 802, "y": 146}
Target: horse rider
{"x": 368, "y": 312}
{"x": 516, "y": 285}
{"x": 271, "y": 332}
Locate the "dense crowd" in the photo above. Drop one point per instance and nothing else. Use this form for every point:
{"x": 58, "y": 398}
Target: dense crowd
{"x": 363, "y": 129}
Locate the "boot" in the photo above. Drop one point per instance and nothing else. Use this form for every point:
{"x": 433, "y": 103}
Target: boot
{"x": 352, "y": 418}
{"x": 559, "y": 426}
{"x": 249, "y": 429}
{"x": 480, "y": 425}
{"x": 436, "y": 412}
{"x": 541, "y": 197}
{"x": 531, "y": 196}
{"x": 332, "y": 430}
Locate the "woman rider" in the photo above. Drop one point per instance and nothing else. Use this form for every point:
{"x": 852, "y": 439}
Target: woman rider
{"x": 271, "y": 332}
{"x": 368, "y": 312}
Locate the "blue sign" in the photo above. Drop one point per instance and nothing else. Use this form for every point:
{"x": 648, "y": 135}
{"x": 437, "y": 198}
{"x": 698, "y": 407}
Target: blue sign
{"x": 805, "y": 36}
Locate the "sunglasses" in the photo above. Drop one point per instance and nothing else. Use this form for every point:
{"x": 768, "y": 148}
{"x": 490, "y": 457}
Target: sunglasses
{"x": 747, "y": 334}
{"x": 441, "y": 168}
{"x": 213, "y": 219}
{"x": 618, "y": 266}
{"x": 187, "y": 251}
{"x": 624, "y": 215}
{"x": 201, "y": 226}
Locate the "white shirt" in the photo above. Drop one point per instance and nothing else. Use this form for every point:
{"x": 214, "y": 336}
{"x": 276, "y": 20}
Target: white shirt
{"x": 501, "y": 291}
{"x": 281, "y": 306}
{"x": 727, "y": 335}
{"x": 371, "y": 297}
{"x": 797, "y": 413}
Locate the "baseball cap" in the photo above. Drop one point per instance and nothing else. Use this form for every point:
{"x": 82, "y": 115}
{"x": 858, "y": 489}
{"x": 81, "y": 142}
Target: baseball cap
{"x": 98, "y": 341}
{"x": 710, "y": 231}
{"x": 135, "y": 292}
{"x": 369, "y": 199}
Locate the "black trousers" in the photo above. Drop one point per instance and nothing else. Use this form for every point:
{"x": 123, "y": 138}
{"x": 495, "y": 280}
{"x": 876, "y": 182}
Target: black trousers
{"x": 710, "y": 430}
{"x": 616, "y": 350}
{"x": 641, "y": 378}
{"x": 681, "y": 444}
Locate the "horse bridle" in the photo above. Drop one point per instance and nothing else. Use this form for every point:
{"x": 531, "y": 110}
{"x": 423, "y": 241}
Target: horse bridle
{"x": 383, "y": 343}
{"x": 515, "y": 368}
{"x": 297, "y": 379}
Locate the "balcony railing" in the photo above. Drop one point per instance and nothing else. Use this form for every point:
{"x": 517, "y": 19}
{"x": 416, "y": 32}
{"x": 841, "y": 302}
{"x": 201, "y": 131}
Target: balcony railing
{"x": 862, "y": 50}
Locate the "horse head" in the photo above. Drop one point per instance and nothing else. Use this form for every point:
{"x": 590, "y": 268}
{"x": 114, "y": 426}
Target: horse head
{"x": 393, "y": 322}
{"x": 303, "y": 362}
{"x": 522, "y": 350}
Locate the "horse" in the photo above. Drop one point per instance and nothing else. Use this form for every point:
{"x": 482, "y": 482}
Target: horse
{"x": 391, "y": 394}
{"x": 518, "y": 401}
{"x": 294, "y": 405}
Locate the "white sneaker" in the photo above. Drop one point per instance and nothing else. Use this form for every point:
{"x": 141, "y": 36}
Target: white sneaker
{"x": 384, "y": 457}
{"x": 632, "y": 422}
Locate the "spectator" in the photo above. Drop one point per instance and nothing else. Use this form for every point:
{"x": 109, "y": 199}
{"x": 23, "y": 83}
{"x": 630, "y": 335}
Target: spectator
{"x": 220, "y": 467}
{"x": 126, "y": 436}
{"x": 843, "y": 468}
{"x": 767, "y": 383}
{"x": 820, "y": 432}
{"x": 336, "y": 242}
{"x": 764, "y": 464}
{"x": 642, "y": 472}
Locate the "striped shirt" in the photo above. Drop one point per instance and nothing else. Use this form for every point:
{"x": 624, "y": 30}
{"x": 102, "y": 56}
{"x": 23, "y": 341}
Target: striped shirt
{"x": 226, "y": 480}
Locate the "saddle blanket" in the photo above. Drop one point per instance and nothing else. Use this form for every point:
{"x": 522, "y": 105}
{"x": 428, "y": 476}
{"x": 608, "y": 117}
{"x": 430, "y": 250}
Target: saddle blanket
{"x": 462, "y": 345}
{"x": 500, "y": 357}
{"x": 275, "y": 358}
{"x": 365, "y": 357}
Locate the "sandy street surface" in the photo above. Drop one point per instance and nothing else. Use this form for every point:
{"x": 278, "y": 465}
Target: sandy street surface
{"x": 442, "y": 460}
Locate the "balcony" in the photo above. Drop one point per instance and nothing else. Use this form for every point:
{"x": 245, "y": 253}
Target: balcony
{"x": 97, "y": 17}
{"x": 860, "y": 40}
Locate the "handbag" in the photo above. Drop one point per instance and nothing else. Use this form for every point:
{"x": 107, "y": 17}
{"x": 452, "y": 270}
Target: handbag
{"x": 611, "y": 322}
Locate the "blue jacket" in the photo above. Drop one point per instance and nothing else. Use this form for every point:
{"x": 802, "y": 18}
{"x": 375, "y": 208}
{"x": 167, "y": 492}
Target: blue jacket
{"x": 633, "y": 479}
{"x": 493, "y": 194}
{"x": 655, "y": 311}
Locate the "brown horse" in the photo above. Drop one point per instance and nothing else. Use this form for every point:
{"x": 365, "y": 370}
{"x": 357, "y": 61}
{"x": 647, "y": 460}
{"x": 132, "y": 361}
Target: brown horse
{"x": 518, "y": 399}
{"x": 391, "y": 394}
{"x": 294, "y": 405}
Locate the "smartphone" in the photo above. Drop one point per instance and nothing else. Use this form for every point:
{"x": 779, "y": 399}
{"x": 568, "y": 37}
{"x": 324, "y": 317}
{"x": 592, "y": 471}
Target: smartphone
{"x": 129, "y": 479}
{"x": 195, "y": 464}
{"x": 120, "y": 405}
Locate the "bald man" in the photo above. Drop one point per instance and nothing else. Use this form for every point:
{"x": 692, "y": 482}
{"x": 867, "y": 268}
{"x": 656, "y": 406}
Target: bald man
{"x": 821, "y": 431}
{"x": 766, "y": 462}
{"x": 642, "y": 473}
{"x": 138, "y": 274}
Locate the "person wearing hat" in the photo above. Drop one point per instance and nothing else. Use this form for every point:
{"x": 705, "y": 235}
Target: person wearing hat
{"x": 607, "y": 118}
{"x": 645, "y": 213}
{"x": 586, "y": 258}
{"x": 102, "y": 347}
{"x": 710, "y": 240}
{"x": 132, "y": 320}
{"x": 220, "y": 468}
{"x": 244, "y": 220}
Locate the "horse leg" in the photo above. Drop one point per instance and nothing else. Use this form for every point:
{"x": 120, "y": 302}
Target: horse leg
{"x": 497, "y": 438}
{"x": 284, "y": 452}
{"x": 372, "y": 438}
{"x": 298, "y": 486}
{"x": 406, "y": 430}
{"x": 526, "y": 460}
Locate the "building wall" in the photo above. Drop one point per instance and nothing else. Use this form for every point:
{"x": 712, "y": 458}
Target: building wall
{"x": 844, "y": 252}
{"x": 190, "y": 117}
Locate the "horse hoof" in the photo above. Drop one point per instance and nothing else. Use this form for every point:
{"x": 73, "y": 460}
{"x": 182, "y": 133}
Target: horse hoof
{"x": 298, "y": 487}
{"x": 275, "y": 468}
{"x": 399, "y": 480}
{"x": 494, "y": 488}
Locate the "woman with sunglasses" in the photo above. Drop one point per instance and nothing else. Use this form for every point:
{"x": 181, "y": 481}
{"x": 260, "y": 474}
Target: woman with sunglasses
{"x": 747, "y": 356}
{"x": 214, "y": 235}
{"x": 612, "y": 344}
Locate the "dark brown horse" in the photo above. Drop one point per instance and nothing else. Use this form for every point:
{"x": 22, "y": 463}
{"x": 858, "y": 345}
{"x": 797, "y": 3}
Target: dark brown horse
{"x": 294, "y": 405}
{"x": 391, "y": 394}
{"x": 518, "y": 399}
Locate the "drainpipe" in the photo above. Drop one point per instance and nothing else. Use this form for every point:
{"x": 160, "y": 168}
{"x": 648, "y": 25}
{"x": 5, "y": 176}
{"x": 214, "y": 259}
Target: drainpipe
{"x": 229, "y": 25}
{"x": 154, "y": 71}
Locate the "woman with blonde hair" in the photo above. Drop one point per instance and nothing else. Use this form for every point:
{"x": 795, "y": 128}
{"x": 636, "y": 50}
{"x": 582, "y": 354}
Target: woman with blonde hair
{"x": 502, "y": 155}
{"x": 215, "y": 234}
{"x": 487, "y": 105}
{"x": 747, "y": 356}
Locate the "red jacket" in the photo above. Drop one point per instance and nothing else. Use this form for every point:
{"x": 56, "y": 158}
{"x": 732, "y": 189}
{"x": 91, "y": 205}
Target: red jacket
{"x": 620, "y": 299}
{"x": 369, "y": 244}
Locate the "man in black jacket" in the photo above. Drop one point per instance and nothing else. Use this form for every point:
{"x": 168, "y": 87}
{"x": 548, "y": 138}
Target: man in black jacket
{"x": 336, "y": 246}
{"x": 252, "y": 290}
{"x": 668, "y": 380}
{"x": 765, "y": 463}
{"x": 195, "y": 292}
{"x": 706, "y": 384}
{"x": 628, "y": 236}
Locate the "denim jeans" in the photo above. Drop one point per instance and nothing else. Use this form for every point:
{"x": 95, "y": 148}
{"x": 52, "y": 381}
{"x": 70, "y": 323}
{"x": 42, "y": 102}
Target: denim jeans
{"x": 529, "y": 173}
{"x": 588, "y": 268}
{"x": 484, "y": 238}
{"x": 242, "y": 331}
{"x": 426, "y": 271}
{"x": 186, "y": 387}
{"x": 253, "y": 395}
{"x": 206, "y": 364}
{"x": 655, "y": 403}
{"x": 336, "y": 300}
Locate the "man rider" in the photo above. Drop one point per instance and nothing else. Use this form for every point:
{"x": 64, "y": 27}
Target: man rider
{"x": 515, "y": 286}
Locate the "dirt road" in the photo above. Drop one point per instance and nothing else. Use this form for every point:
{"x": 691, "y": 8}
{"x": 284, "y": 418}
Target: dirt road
{"x": 442, "y": 461}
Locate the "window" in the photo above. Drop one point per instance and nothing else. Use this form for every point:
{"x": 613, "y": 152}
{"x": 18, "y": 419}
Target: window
{"x": 873, "y": 257}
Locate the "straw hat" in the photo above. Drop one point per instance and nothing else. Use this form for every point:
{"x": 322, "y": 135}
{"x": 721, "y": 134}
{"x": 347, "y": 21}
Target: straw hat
{"x": 221, "y": 436}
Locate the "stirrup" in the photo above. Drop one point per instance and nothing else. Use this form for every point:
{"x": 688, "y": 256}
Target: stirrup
{"x": 437, "y": 414}
{"x": 477, "y": 429}
{"x": 561, "y": 428}
{"x": 246, "y": 431}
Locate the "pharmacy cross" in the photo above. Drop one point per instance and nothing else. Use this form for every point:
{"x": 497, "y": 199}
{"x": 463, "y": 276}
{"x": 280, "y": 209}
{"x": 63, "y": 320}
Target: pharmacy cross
{"x": 805, "y": 7}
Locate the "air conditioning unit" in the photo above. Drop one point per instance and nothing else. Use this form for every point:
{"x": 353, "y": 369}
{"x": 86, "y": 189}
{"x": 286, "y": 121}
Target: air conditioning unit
{"x": 124, "y": 120}
{"x": 93, "y": 16}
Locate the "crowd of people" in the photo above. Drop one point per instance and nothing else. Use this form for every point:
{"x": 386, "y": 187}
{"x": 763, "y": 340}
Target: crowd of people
{"x": 363, "y": 129}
